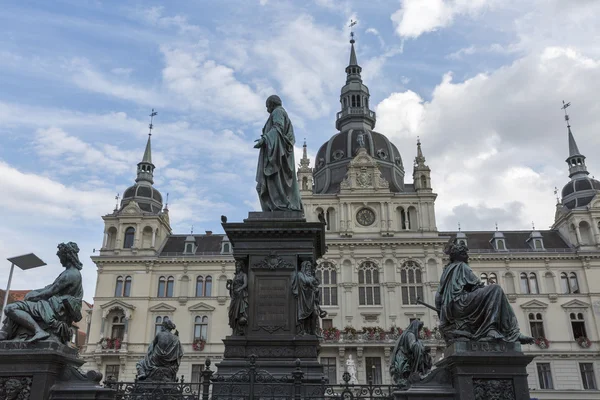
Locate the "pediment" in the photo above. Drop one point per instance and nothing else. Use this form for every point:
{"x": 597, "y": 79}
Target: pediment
{"x": 534, "y": 304}
{"x": 132, "y": 208}
{"x": 201, "y": 307}
{"x": 162, "y": 307}
{"x": 575, "y": 304}
{"x": 117, "y": 304}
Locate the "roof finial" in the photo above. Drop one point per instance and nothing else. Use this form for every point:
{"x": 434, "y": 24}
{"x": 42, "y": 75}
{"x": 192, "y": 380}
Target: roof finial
{"x": 459, "y": 226}
{"x": 533, "y": 225}
{"x": 117, "y": 204}
{"x": 352, "y": 23}
{"x": 192, "y": 230}
{"x": 564, "y": 107}
{"x": 556, "y": 194}
{"x": 167, "y": 203}
{"x": 152, "y": 114}
{"x": 496, "y": 226}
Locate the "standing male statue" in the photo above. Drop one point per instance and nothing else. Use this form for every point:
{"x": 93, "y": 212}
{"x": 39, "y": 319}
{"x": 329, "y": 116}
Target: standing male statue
{"x": 49, "y": 313}
{"x": 305, "y": 288}
{"x": 276, "y": 181}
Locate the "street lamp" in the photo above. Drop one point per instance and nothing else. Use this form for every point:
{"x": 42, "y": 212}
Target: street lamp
{"x": 26, "y": 261}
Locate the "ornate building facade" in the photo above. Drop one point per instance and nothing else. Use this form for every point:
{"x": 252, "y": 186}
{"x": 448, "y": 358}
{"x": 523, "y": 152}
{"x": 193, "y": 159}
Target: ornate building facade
{"x": 384, "y": 253}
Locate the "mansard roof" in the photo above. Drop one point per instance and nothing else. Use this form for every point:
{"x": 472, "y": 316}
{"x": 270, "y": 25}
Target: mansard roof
{"x": 205, "y": 244}
{"x": 514, "y": 240}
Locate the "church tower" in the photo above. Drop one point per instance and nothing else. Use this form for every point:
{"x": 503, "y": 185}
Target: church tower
{"x": 580, "y": 199}
{"x": 139, "y": 223}
{"x": 305, "y": 179}
{"x": 421, "y": 172}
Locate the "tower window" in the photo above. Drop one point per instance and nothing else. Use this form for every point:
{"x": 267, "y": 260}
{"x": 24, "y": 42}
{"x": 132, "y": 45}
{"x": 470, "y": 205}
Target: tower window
{"x": 357, "y": 101}
{"x": 353, "y": 101}
{"x": 129, "y": 236}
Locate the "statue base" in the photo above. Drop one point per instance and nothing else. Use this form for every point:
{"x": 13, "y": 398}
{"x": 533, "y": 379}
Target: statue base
{"x": 48, "y": 370}
{"x": 272, "y": 245}
{"x": 475, "y": 371}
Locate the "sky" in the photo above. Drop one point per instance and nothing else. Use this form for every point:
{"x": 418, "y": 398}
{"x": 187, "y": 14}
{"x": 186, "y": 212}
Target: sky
{"x": 480, "y": 82}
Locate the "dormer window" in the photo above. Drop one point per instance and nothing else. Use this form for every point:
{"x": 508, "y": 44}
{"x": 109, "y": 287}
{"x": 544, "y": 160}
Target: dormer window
{"x": 189, "y": 246}
{"x": 536, "y": 240}
{"x": 500, "y": 245}
{"x": 538, "y": 244}
{"x": 226, "y": 248}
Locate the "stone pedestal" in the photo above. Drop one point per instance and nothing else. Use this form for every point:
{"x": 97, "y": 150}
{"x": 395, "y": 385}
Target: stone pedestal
{"x": 475, "y": 371}
{"x": 47, "y": 370}
{"x": 272, "y": 246}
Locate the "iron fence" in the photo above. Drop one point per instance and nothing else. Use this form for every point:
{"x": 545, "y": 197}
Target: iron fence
{"x": 251, "y": 383}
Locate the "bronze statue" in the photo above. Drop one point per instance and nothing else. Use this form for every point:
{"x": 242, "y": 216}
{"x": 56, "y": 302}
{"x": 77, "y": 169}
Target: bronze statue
{"x": 468, "y": 309}
{"x": 238, "y": 291}
{"x": 276, "y": 181}
{"x": 305, "y": 287}
{"x": 13, "y": 388}
{"x": 410, "y": 359}
{"x": 162, "y": 361}
{"x": 49, "y": 313}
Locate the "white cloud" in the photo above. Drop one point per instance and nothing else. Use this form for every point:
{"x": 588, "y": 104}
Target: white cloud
{"x": 499, "y": 138}
{"x": 417, "y": 17}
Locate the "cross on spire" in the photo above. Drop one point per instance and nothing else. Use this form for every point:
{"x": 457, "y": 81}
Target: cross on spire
{"x": 117, "y": 204}
{"x": 556, "y": 194}
{"x": 564, "y": 107}
{"x": 152, "y": 114}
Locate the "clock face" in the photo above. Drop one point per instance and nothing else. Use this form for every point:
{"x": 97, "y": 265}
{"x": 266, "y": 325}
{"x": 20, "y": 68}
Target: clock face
{"x": 365, "y": 217}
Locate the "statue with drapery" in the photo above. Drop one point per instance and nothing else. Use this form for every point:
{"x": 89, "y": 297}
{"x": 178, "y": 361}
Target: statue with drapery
{"x": 276, "y": 181}
{"x": 163, "y": 358}
{"x": 305, "y": 288}
{"x": 49, "y": 313}
{"x": 238, "y": 291}
{"x": 410, "y": 359}
{"x": 470, "y": 310}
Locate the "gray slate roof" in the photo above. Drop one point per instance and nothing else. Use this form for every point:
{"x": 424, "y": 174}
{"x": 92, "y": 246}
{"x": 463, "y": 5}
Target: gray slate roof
{"x": 204, "y": 244}
{"x": 514, "y": 240}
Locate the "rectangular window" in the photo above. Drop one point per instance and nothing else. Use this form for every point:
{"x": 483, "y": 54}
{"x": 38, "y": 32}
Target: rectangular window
{"x": 373, "y": 370}
{"x": 361, "y": 296}
{"x": 537, "y": 329}
{"x": 587, "y": 376}
{"x": 578, "y": 329}
{"x": 334, "y": 296}
{"x": 327, "y": 324}
{"x": 377, "y": 296}
{"x": 112, "y": 371}
{"x": 545, "y": 376}
{"x": 329, "y": 368}
{"x": 369, "y": 296}
{"x": 197, "y": 373}
{"x": 405, "y": 295}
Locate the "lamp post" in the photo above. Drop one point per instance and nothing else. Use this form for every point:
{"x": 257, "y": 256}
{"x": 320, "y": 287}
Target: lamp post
{"x": 25, "y": 262}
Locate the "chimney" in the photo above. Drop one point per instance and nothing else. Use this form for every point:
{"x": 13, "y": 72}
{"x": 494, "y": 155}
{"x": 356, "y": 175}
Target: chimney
{"x": 208, "y": 233}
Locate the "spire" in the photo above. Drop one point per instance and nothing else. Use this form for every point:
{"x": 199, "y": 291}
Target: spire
{"x": 576, "y": 160}
{"x": 145, "y": 170}
{"x": 419, "y": 159}
{"x": 353, "y": 60}
{"x": 304, "y": 161}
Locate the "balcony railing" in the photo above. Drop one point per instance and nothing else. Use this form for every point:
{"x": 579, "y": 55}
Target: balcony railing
{"x": 356, "y": 111}
{"x": 335, "y": 336}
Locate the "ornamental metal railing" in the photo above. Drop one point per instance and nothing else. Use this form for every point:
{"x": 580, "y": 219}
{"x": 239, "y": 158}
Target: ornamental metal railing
{"x": 251, "y": 383}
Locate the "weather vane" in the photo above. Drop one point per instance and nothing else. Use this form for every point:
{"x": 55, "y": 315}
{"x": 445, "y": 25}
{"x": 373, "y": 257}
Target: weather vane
{"x": 496, "y": 226}
{"x": 152, "y": 114}
{"x": 564, "y": 107}
{"x": 459, "y": 226}
{"x": 167, "y": 203}
{"x": 533, "y": 225}
{"x": 556, "y": 193}
{"x": 117, "y": 204}
{"x": 352, "y": 23}
{"x": 192, "y": 230}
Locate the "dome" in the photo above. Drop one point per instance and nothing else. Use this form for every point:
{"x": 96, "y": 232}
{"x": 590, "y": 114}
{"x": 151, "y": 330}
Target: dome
{"x": 148, "y": 198}
{"x": 579, "y": 192}
{"x": 333, "y": 157}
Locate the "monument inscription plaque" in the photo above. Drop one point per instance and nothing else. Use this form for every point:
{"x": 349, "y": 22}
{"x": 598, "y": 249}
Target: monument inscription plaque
{"x": 272, "y": 303}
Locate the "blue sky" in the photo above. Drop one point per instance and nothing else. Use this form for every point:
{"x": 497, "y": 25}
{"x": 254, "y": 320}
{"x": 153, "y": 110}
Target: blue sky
{"x": 480, "y": 81}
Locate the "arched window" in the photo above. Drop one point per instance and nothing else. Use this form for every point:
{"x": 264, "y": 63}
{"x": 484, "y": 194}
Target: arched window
{"x": 573, "y": 283}
{"x": 166, "y": 286}
{"x": 158, "y": 323}
{"x": 524, "y": 283}
{"x": 127, "y": 288}
{"x": 484, "y": 279}
{"x": 345, "y": 103}
{"x": 564, "y": 283}
{"x": 369, "y": 291}
{"x": 411, "y": 281}
{"x": 536, "y": 324}
{"x": 493, "y": 279}
{"x": 533, "y": 284}
{"x": 208, "y": 287}
{"x": 353, "y": 101}
{"x": 111, "y": 239}
{"x": 203, "y": 286}
{"x": 200, "y": 286}
{"x": 118, "y": 327}
{"x": 170, "y": 286}
{"x": 226, "y": 248}
{"x": 119, "y": 287}
{"x": 129, "y": 236}
{"x": 200, "y": 328}
{"x": 123, "y": 286}
{"x": 328, "y": 277}
{"x": 162, "y": 285}
{"x": 423, "y": 181}
{"x": 357, "y": 101}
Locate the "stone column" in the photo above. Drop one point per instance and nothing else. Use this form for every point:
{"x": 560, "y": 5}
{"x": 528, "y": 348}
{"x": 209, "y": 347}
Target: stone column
{"x": 154, "y": 231}
{"x": 578, "y": 235}
{"x": 105, "y": 240}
